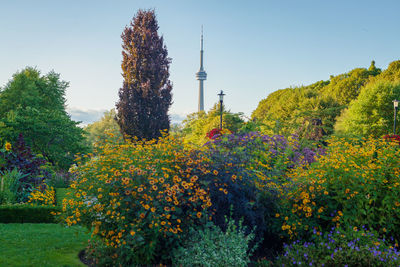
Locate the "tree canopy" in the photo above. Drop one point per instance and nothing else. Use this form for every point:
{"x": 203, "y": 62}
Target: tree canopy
{"x": 145, "y": 97}
{"x": 198, "y": 124}
{"x": 311, "y": 111}
{"x": 372, "y": 112}
{"x": 33, "y": 105}
{"x": 105, "y": 128}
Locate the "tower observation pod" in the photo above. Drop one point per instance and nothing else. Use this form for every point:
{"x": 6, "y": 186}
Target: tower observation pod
{"x": 201, "y": 75}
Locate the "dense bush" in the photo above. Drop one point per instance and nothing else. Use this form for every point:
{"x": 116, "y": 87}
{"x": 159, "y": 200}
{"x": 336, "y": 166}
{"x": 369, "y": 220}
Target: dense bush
{"x": 210, "y": 246}
{"x": 356, "y": 183}
{"x": 31, "y": 167}
{"x": 9, "y": 185}
{"x": 248, "y": 170}
{"x": 43, "y": 195}
{"x": 351, "y": 247}
{"x": 138, "y": 197}
{"x": 27, "y": 213}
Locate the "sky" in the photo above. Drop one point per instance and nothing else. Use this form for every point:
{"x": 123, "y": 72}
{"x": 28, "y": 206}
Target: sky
{"x": 251, "y": 48}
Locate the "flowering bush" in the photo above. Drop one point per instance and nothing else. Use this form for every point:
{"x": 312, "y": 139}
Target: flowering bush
{"x": 247, "y": 174}
{"x": 138, "y": 197}
{"x": 393, "y": 138}
{"x": 43, "y": 195}
{"x": 21, "y": 158}
{"x": 355, "y": 183}
{"x": 351, "y": 247}
{"x": 214, "y": 133}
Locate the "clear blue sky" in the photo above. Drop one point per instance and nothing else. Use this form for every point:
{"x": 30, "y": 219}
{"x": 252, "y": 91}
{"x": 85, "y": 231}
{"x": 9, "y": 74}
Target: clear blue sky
{"x": 252, "y": 48}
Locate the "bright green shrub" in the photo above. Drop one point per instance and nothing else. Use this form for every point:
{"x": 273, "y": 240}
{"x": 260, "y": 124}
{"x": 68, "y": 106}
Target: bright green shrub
{"x": 351, "y": 247}
{"x": 137, "y": 197}
{"x": 356, "y": 183}
{"x": 7, "y": 181}
{"x": 27, "y": 213}
{"x": 211, "y": 247}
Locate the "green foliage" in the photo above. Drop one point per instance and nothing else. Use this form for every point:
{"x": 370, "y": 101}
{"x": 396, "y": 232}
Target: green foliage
{"x": 34, "y": 105}
{"x": 356, "y": 183}
{"x": 311, "y": 111}
{"x": 372, "y": 112}
{"x": 197, "y": 125}
{"x": 350, "y": 247}
{"x": 106, "y": 128}
{"x": 345, "y": 87}
{"x": 59, "y": 179}
{"x": 137, "y": 198}
{"x": 62, "y": 193}
{"x": 9, "y": 186}
{"x": 211, "y": 247}
{"x": 27, "y": 213}
{"x": 145, "y": 96}
{"x": 44, "y": 245}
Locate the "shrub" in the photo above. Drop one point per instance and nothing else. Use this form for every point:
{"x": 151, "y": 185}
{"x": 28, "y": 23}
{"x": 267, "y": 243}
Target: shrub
{"x": 42, "y": 195}
{"x": 60, "y": 179}
{"x": 137, "y": 198}
{"x": 356, "y": 183}
{"x": 247, "y": 172}
{"x": 6, "y": 196}
{"x": 351, "y": 247}
{"x": 213, "y": 247}
{"x": 21, "y": 158}
{"x": 27, "y": 213}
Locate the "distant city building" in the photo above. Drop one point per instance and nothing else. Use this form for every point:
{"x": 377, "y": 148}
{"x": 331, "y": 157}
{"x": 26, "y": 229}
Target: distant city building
{"x": 201, "y": 75}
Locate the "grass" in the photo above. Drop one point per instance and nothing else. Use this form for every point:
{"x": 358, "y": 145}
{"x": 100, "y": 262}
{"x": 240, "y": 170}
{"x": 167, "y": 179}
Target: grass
{"x": 61, "y": 193}
{"x": 41, "y": 245}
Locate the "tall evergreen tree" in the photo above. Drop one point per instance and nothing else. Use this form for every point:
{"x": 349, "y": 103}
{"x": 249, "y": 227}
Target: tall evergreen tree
{"x": 145, "y": 96}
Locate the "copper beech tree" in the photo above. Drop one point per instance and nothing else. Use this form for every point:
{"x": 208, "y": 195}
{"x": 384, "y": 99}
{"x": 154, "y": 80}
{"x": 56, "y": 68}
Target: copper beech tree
{"x": 145, "y": 97}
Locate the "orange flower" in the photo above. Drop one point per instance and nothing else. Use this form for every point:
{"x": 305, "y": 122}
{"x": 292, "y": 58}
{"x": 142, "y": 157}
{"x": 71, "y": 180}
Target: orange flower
{"x": 7, "y": 146}
{"x": 215, "y": 172}
{"x": 198, "y": 214}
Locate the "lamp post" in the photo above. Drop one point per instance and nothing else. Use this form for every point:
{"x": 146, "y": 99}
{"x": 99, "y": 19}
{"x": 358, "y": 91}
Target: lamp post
{"x": 396, "y": 106}
{"x": 221, "y": 100}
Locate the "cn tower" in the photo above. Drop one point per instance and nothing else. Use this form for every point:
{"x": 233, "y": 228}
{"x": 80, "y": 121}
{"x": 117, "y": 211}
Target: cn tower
{"x": 201, "y": 75}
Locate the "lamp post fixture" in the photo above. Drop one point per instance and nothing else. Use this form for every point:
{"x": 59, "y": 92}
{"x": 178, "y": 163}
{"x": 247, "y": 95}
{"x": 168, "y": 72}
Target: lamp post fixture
{"x": 221, "y": 100}
{"x": 396, "y": 106}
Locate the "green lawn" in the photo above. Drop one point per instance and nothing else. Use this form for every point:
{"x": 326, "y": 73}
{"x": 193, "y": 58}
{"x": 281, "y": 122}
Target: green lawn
{"x": 41, "y": 245}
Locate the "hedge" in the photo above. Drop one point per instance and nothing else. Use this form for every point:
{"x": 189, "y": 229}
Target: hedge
{"x": 26, "y": 213}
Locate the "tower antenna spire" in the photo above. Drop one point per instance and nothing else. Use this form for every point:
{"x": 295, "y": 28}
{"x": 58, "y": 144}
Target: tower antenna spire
{"x": 201, "y": 75}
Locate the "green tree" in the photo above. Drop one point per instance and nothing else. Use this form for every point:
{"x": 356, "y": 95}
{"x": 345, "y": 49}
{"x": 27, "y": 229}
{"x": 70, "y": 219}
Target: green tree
{"x": 106, "y": 128}
{"x": 145, "y": 97}
{"x": 198, "y": 124}
{"x": 311, "y": 111}
{"x": 34, "y": 105}
{"x": 345, "y": 87}
{"x": 372, "y": 112}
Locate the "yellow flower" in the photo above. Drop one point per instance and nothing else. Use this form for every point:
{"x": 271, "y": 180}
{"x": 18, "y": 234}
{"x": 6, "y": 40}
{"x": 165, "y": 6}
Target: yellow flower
{"x": 132, "y": 233}
{"x": 7, "y": 146}
{"x": 215, "y": 172}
